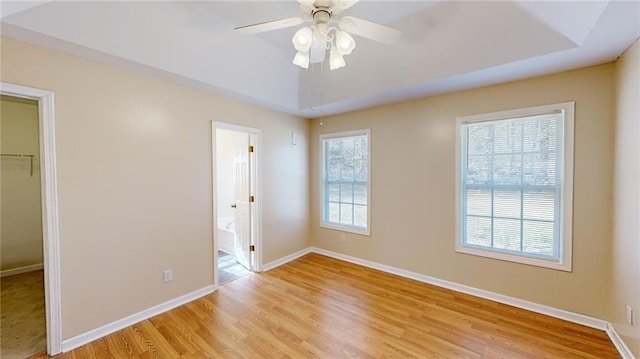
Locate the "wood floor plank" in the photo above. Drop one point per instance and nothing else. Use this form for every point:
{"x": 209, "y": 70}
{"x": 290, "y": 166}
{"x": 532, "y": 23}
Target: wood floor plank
{"x": 319, "y": 307}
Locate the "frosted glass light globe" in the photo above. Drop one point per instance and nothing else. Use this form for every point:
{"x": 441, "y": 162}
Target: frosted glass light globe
{"x": 302, "y": 39}
{"x": 345, "y": 42}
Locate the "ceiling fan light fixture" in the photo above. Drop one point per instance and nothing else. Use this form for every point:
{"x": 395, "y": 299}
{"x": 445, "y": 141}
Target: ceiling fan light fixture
{"x": 336, "y": 60}
{"x": 329, "y": 31}
{"x": 344, "y": 42}
{"x": 301, "y": 59}
{"x": 302, "y": 39}
{"x": 322, "y": 30}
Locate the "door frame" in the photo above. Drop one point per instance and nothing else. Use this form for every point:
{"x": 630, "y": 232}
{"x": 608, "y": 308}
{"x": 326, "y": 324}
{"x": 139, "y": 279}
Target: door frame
{"x": 256, "y": 184}
{"x": 49, "y": 198}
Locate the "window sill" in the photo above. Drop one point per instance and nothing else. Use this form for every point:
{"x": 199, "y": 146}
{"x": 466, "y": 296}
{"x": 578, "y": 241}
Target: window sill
{"x": 363, "y": 232}
{"x": 538, "y": 262}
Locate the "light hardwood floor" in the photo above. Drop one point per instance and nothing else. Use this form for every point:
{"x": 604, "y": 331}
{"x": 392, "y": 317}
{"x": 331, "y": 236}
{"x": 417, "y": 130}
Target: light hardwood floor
{"x": 319, "y": 307}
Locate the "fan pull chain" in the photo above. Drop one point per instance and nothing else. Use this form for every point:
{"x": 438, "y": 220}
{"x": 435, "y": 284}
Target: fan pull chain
{"x": 322, "y": 94}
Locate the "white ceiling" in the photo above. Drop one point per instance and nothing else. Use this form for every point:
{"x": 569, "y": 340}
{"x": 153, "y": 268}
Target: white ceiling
{"x": 446, "y": 45}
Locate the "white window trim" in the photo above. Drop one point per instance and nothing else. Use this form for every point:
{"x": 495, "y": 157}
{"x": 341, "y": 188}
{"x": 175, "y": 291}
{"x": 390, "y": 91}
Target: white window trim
{"x": 565, "y": 261}
{"x": 344, "y": 228}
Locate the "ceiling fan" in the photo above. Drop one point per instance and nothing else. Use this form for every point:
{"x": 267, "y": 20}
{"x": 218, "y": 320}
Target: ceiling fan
{"x": 329, "y": 31}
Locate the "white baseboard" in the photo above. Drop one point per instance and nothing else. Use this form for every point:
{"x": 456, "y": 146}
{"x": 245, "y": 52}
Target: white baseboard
{"x": 504, "y": 299}
{"x": 227, "y": 251}
{"x": 581, "y": 319}
{"x": 100, "y": 332}
{"x": 622, "y": 347}
{"x": 600, "y": 324}
{"x": 107, "y": 329}
{"x": 287, "y": 259}
{"x": 20, "y": 270}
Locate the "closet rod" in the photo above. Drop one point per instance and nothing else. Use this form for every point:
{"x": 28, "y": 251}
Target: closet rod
{"x": 16, "y": 155}
{"x": 21, "y": 155}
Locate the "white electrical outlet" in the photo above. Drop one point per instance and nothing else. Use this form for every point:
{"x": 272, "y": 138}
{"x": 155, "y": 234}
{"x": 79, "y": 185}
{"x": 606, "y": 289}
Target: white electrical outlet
{"x": 629, "y": 315}
{"x": 167, "y": 275}
{"x": 343, "y": 237}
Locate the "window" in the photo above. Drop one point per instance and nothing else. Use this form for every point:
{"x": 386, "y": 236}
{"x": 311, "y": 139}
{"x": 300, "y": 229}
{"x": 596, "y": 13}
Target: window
{"x": 514, "y": 185}
{"x": 345, "y": 181}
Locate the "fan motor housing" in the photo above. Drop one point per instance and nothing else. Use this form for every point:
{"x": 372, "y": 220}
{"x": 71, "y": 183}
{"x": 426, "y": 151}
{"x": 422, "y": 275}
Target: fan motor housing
{"x": 321, "y": 16}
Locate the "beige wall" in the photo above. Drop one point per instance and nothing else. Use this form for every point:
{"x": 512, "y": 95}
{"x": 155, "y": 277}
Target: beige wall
{"x": 134, "y": 172}
{"x": 135, "y": 183}
{"x": 21, "y": 219}
{"x": 413, "y": 188}
{"x": 625, "y": 261}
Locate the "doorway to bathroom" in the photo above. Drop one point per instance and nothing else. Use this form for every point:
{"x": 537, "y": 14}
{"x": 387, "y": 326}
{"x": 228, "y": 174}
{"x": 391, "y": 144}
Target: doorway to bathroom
{"x": 236, "y": 200}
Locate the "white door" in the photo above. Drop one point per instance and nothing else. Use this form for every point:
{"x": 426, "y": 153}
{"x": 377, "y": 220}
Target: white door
{"x": 242, "y": 202}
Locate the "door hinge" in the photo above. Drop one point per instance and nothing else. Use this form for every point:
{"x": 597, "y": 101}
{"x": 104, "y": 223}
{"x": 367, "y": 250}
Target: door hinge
{"x": 252, "y": 199}
{"x": 250, "y": 149}
{"x": 252, "y": 248}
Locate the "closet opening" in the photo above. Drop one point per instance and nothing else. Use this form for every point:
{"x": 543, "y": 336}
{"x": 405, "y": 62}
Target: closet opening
{"x": 22, "y": 328}
{"x": 29, "y": 240}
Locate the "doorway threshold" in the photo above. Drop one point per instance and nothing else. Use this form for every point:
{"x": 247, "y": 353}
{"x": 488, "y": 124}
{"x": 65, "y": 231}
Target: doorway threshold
{"x": 229, "y": 269}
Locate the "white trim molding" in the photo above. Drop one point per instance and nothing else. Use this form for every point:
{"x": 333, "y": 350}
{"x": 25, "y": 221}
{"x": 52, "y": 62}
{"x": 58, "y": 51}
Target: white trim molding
{"x": 20, "y": 270}
{"x": 50, "y": 223}
{"x": 256, "y": 142}
{"x": 581, "y": 319}
{"x": 599, "y": 324}
{"x": 622, "y": 347}
{"x": 500, "y": 298}
{"x": 324, "y": 222}
{"x": 287, "y": 259}
{"x": 562, "y": 255}
{"x": 97, "y": 333}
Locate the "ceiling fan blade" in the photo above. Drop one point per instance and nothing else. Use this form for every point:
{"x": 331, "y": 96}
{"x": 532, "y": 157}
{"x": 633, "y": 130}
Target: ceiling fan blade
{"x": 307, "y": 9}
{"x": 369, "y": 30}
{"x": 341, "y": 5}
{"x": 270, "y": 25}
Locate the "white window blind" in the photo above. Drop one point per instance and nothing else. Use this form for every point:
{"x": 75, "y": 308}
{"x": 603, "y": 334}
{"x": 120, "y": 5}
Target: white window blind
{"x": 512, "y": 185}
{"x": 345, "y": 181}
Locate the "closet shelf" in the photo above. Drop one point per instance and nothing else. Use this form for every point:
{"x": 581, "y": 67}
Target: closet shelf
{"x": 22, "y": 155}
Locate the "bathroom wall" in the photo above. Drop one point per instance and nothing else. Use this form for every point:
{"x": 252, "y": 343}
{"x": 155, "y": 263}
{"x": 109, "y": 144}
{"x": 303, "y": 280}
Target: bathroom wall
{"x": 226, "y": 142}
{"x": 20, "y": 218}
